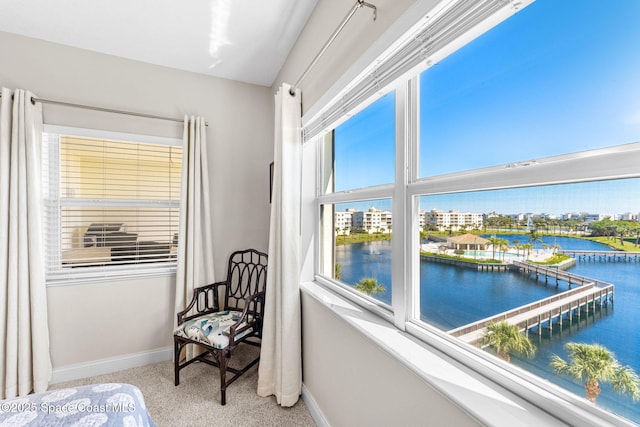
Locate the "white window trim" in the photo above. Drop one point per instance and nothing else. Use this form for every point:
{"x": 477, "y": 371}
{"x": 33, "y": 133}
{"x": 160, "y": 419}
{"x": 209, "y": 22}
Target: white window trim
{"x": 93, "y": 275}
{"x": 97, "y": 133}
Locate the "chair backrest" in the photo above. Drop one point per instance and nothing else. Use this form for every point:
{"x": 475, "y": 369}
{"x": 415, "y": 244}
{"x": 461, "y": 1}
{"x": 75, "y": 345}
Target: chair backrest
{"x": 246, "y": 276}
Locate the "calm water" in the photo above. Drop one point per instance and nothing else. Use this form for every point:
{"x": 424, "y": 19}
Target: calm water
{"x": 452, "y": 296}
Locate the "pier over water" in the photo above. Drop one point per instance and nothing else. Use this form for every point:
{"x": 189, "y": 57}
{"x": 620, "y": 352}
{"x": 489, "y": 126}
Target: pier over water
{"x": 565, "y": 306}
{"x": 603, "y": 256}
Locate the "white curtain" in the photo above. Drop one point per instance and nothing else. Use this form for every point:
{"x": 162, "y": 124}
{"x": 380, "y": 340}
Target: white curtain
{"x": 25, "y": 364}
{"x": 195, "y": 244}
{"x": 280, "y": 371}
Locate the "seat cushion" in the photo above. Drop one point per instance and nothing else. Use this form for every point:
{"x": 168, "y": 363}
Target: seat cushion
{"x": 212, "y": 329}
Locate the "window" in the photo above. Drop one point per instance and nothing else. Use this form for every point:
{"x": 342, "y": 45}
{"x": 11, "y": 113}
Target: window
{"x": 511, "y": 147}
{"x": 112, "y": 204}
{"x": 364, "y": 147}
{"x": 522, "y": 92}
{"x": 361, "y": 154}
{"x": 357, "y": 253}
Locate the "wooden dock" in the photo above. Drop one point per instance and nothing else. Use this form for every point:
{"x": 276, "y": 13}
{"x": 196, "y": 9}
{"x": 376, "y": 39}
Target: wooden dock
{"x": 603, "y": 256}
{"x": 552, "y": 272}
{"x": 564, "y": 306}
{"x": 480, "y": 266}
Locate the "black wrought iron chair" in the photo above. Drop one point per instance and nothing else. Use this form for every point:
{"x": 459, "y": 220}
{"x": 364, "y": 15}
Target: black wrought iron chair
{"x": 220, "y": 328}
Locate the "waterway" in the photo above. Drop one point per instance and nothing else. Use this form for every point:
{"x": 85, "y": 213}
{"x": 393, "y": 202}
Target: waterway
{"x": 453, "y": 296}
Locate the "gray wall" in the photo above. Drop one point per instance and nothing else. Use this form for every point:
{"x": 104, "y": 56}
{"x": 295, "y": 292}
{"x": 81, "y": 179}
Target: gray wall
{"x": 355, "y": 383}
{"x": 94, "y": 321}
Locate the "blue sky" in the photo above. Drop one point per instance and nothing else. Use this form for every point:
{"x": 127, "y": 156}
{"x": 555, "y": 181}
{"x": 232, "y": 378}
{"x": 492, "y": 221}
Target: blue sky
{"x": 558, "y": 77}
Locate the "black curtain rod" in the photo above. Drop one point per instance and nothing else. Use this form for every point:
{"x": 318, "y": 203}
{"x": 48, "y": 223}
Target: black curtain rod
{"x": 105, "y": 110}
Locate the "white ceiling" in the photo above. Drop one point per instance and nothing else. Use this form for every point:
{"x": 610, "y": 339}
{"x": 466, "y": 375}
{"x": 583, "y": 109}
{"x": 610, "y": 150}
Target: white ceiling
{"x": 245, "y": 40}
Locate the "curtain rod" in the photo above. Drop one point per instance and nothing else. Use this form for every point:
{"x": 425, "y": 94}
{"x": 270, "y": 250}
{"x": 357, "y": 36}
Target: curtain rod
{"x": 358, "y": 5}
{"x": 105, "y": 110}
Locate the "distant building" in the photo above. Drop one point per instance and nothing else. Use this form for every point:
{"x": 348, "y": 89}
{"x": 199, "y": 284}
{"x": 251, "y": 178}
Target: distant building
{"x": 519, "y": 217}
{"x": 343, "y": 221}
{"x": 372, "y": 221}
{"x": 628, "y": 216}
{"x": 599, "y": 217}
{"x": 453, "y": 220}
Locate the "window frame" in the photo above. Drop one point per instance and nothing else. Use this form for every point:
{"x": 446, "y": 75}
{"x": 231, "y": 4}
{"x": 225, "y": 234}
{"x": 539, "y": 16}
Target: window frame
{"x": 576, "y": 167}
{"x": 57, "y": 275}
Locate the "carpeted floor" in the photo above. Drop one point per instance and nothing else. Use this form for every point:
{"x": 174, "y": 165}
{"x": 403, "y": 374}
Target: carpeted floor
{"x": 196, "y": 401}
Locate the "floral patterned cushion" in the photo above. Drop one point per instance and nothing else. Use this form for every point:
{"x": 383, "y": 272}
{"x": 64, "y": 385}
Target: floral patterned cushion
{"x": 212, "y": 329}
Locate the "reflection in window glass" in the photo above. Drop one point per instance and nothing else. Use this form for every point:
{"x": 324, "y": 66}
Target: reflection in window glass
{"x": 470, "y": 248}
{"x": 541, "y": 83}
{"x": 364, "y": 147}
{"x": 357, "y": 246}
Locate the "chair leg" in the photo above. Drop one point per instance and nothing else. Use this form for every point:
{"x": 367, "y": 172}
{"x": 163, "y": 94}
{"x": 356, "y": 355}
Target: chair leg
{"x": 222, "y": 366}
{"x": 176, "y": 361}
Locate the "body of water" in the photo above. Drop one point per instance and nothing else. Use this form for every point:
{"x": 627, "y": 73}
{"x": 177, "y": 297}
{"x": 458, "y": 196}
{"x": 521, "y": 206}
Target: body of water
{"x": 453, "y": 296}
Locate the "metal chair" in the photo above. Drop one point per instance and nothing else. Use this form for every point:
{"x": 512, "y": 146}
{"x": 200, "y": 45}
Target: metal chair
{"x": 220, "y": 328}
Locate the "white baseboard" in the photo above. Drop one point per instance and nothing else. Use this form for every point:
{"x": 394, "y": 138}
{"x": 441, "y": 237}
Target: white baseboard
{"x": 112, "y": 364}
{"x": 314, "y": 409}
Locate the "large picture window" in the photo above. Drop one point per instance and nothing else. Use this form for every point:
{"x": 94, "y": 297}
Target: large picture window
{"x": 112, "y": 205}
{"x": 515, "y": 187}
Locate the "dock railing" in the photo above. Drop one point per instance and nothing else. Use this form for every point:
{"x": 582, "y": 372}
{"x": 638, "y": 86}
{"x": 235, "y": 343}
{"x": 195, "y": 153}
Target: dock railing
{"x": 570, "y": 296}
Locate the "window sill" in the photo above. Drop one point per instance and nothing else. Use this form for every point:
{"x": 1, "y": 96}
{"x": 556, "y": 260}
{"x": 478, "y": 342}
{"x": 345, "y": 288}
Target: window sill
{"x": 123, "y": 275}
{"x": 493, "y": 394}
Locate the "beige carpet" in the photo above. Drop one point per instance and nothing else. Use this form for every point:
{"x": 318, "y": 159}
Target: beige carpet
{"x": 196, "y": 401}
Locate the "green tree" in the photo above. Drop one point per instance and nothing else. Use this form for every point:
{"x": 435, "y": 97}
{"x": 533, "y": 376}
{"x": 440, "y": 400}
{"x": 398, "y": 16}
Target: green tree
{"x": 369, "y": 286}
{"x": 507, "y": 339}
{"x": 592, "y": 364}
{"x": 503, "y": 246}
{"x": 534, "y": 237}
{"x": 495, "y": 243}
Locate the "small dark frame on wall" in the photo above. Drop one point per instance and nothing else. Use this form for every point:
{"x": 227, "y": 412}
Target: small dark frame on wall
{"x": 270, "y": 182}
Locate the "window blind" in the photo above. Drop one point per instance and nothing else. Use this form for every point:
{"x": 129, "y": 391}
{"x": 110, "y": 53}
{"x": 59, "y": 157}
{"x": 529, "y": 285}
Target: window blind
{"x": 450, "y": 25}
{"x": 111, "y": 206}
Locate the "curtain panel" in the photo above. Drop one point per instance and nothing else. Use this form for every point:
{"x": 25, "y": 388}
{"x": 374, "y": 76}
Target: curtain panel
{"x": 195, "y": 241}
{"x": 25, "y": 363}
{"x": 280, "y": 370}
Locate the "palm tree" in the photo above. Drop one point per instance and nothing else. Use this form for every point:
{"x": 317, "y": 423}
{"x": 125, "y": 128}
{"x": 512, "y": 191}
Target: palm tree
{"x": 507, "y": 339}
{"x": 503, "y": 246}
{"x": 593, "y": 363}
{"x": 534, "y": 237}
{"x": 495, "y": 242}
{"x": 369, "y": 286}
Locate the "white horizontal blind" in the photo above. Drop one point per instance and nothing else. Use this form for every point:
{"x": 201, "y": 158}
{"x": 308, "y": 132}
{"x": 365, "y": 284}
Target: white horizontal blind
{"x": 450, "y": 25}
{"x": 112, "y": 207}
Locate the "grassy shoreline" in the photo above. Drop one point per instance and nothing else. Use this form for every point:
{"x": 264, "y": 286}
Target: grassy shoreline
{"x": 629, "y": 244}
